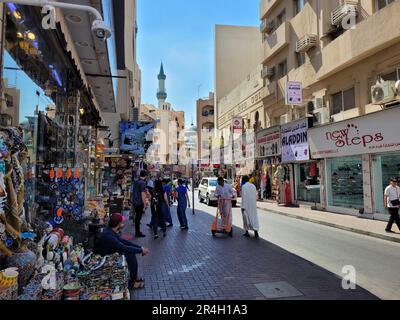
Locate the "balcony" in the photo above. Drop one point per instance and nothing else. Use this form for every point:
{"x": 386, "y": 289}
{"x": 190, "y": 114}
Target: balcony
{"x": 378, "y": 32}
{"x": 277, "y": 41}
{"x": 266, "y": 6}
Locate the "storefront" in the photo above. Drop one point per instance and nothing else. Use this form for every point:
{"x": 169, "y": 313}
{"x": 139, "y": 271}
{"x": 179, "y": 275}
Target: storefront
{"x": 359, "y": 158}
{"x": 268, "y": 158}
{"x": 304, "y": 177}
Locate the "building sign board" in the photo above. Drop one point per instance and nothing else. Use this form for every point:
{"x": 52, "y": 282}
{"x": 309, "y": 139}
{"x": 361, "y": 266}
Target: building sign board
{"x": 294, "y": 93}
{"x": 294, "y": 137}
{"x": 269, "y": 143}
{"x": 374, "y": 133}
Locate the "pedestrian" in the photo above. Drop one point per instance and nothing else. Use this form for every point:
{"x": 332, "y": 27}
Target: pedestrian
{"x": 140, "y": 201}
{"x": 110, "y": 242}
{"x": 158, "y": 197}
{"x": 224, "y": 193}
{"x": 183, "y": 203}
{"x": 166, "y": 209}
{"x": 392, "y": 204}
{"x": 249, "y": 208}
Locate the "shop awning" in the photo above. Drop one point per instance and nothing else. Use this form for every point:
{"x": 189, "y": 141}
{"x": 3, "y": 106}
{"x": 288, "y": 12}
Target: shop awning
{"x": 94, "y": 59}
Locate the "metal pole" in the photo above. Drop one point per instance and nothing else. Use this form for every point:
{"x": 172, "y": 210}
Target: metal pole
{"x": 193, "y": 187}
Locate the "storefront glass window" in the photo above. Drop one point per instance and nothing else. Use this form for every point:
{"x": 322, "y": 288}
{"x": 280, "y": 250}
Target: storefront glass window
{"x": 384, "y": 167}
{"x": 346, "y": 182}
{"x": 308, "y": 182}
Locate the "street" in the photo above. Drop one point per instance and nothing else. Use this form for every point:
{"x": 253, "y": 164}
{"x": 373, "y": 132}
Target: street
{"x": 194, "y": 265}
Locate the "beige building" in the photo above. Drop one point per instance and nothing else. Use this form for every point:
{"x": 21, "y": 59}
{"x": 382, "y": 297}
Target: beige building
{"x": 128, "y": 95}
{"x": 205, "y": 122}
{"x": 9, "y": 113}
{"x": 238, "y": 51}
{"x": 346, "y": 54}
{"x": 169, "y": 134}
{"x": 336, "y": 49}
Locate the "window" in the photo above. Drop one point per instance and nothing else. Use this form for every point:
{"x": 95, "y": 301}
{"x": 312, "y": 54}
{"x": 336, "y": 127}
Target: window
{"x": 300, "y": 58}
{"x": 298, "y": 6}
{"x": 281, "y": 17}
{"x": 282, "y": 69}
{"x": 380, "y": 4}
{"x": 343, "y": 100}
{"x": 393, "y": 76}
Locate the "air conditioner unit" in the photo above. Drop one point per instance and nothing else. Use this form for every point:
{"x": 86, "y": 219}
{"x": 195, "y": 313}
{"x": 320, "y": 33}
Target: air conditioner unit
{"x": 347, "y": 9}
{"x": 268, "y": 72}
{"x": 321, "y": 116}
{"x": 385, "y": 92}
{"x": 306, "y": 43}
{"x": 285, "y": 119}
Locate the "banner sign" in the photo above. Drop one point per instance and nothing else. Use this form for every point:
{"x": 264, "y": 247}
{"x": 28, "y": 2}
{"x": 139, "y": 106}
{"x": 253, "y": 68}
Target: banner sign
{"x": 237, "y": 125}
{"x": 374, "y": 133}
{"x": 295, "y": 141}
{"x": 269, "y": 143}
{"x": 294, "y": 93}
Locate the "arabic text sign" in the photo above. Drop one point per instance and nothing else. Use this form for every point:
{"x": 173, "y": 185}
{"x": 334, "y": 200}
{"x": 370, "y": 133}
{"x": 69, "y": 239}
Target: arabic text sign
{"x": 295, "y": 141}
{"x": 294, "y": 93}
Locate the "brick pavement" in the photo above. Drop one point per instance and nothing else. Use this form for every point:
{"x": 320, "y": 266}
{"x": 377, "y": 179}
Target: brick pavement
{"x": 192, "y": 265}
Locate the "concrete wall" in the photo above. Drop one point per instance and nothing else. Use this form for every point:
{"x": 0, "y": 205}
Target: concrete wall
{"x": 238, "y": 51}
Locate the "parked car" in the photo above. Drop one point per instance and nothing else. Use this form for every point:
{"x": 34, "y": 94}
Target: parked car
{"x": 207, "y": 191}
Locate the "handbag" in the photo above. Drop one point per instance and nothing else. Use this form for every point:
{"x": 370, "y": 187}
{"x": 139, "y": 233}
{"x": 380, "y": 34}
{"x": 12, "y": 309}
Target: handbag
{"x": 396, "y": 203}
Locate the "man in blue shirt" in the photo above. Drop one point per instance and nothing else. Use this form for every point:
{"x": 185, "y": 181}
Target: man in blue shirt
{"x": 140, "y": 201}
{"x": 110, "y": 242}
{"x": 183, "y": 204}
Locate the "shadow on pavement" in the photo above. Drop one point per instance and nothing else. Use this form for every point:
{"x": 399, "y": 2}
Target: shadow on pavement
{"x": 193, "y": 265}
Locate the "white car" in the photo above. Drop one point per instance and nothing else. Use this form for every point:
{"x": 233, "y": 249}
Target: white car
{"x": 207, "y": 191}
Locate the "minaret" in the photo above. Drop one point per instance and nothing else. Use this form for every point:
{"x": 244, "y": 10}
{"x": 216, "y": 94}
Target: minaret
{"x": 161, "y": 93}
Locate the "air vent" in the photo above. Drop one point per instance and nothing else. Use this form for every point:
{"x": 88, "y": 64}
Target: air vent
{"x": 306, "y": 43}
{"x": 346, "y": 10}
{"x": 268, "y": 72}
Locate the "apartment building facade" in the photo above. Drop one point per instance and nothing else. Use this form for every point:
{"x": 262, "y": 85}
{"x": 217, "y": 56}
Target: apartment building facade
{"x": 169, "y": 133}
{"x": 346, "y": 55}
{"x": 205, "y": 125}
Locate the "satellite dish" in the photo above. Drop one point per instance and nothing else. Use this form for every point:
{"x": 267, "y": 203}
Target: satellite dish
{"x": 378, "y": 94}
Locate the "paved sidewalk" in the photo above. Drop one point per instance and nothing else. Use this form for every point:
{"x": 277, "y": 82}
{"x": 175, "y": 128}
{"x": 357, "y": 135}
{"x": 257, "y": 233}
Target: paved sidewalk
{"x": 369, "y": 227}
{"x": 192, "y": 265}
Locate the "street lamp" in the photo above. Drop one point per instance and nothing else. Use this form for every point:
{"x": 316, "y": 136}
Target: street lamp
{"x": 99, "y": 28}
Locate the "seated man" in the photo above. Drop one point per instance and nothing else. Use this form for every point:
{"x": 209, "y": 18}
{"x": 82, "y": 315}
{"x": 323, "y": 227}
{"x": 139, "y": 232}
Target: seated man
{"x": 110, "y": 242}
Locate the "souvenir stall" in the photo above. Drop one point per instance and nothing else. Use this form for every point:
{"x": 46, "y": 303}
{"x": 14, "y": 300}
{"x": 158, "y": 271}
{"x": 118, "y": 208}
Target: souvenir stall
{"x": 49, "y": 244}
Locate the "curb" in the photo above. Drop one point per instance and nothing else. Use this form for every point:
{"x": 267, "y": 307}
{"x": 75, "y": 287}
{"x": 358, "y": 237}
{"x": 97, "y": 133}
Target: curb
{"x": 333, "y": 225}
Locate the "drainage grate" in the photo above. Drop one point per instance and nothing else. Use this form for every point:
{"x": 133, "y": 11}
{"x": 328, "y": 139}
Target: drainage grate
{"x": 278, "y": 290}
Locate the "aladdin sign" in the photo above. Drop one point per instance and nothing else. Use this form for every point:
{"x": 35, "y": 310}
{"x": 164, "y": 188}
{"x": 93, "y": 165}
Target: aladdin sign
{"x": 295, "y": 141}
{"x": 357, "y": 136}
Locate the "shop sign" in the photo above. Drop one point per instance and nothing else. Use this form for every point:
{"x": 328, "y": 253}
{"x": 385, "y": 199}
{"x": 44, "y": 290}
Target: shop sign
{"x": 374, "y": 133}
{"x": 294, "y": 93}
{"x": 237, "y": 125}
{"x": 269, "y": 143}
{"x": 295, "y": 141}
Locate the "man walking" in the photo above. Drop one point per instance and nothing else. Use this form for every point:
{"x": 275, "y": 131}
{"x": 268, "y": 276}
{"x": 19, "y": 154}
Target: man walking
{"x": 392, "y": 204}
{"x": 249, "y": 208}
{"x": 140, "y": 202}
{"x": 224, "y": 193}
{"x": 183, "y": 204}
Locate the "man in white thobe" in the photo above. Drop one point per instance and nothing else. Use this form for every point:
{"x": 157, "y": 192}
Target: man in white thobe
{"x": 249, "y": 208}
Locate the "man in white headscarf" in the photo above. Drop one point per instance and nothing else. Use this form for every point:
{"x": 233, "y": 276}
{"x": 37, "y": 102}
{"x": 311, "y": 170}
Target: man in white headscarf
{"x": 249, "y": 208}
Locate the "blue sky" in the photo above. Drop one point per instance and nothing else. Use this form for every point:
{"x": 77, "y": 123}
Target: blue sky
{"x": 181, "y": 34}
